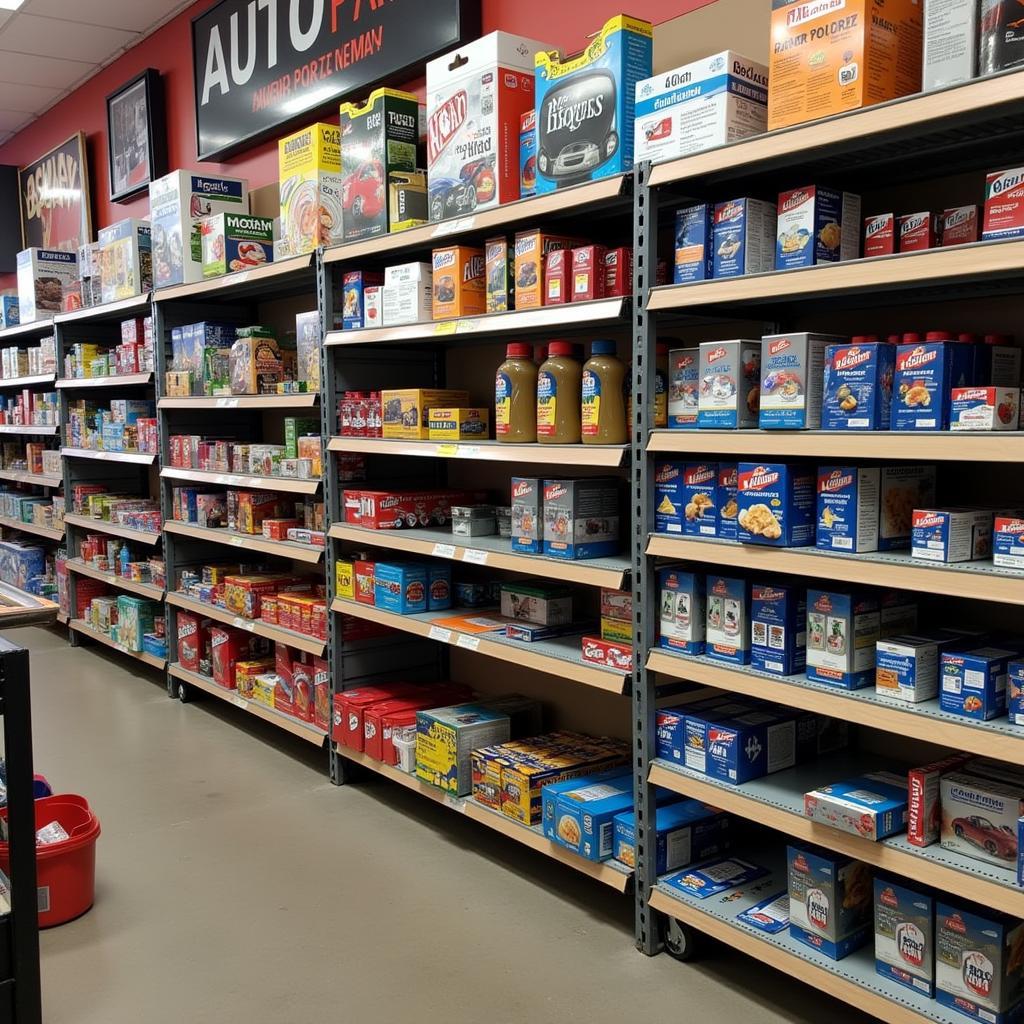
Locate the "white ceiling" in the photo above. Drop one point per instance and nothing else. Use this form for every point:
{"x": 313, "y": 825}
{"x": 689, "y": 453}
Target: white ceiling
{"x": 50, "y": 47}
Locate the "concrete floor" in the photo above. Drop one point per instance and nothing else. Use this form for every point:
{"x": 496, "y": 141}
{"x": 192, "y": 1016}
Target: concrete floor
{"x": 235, "y": 884}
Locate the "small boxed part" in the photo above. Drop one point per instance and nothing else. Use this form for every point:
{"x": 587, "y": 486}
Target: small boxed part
{"x": 904, "y": 935}
{"x": 126, "y": 260}
{"x": 730, "y": 377}
{"x": 686, "y": 832}
{"x": 858, "y": 385}
{"x": 959, "y": 226}
{"x": 792, "y": 368}
{"x": 543, "y": 604}
{"x": 744, "y": 237}
{"x": 45, "y": 276}
{"x": 871, "y": 806}
{"x": 776, "y": 504}
{"x": 309, "y": 172}
{"x": 683, "y": 388}
{"x": 926, "y": 372}
{"x": 951, "y": 535}
{"x": 581, "y": 518}
{"x": 816, "y": 225}
{"x": 445, "y": 738}
{"x": 1007, "y": 541}
{"x": 880, "y": 235}
{"x": 458, "y": 424}
{"x": 778, "y": 615}
{"x": 473, "y": 521}
{"x": 973, "y": 682}
{"x": 848, "y": 505}
{"x": 683, "y": 617}
{"x": 406, "y": 413}
{"x": 1004, "y": 205}
{"x": 842, "y": 631}
{"x": 917, "y": 232}
{"x": 407, "y": 295}
{"x": 499, "y": 271}
{"x": 728, "y": 620}
{"x": 236, "y": 241}
{"x": 984, "y": 408}
{"x": 354, "y": 286}
{"x": 458, "y": 281}
{"x": 694, "y": 248}
{"x": 979, "y": 817}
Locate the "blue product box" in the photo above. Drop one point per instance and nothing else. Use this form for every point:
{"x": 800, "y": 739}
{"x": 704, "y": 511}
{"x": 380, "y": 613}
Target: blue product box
{"x": 189, "y": 343}
{"x": 1020, "y": 852}
{"x": 20, "y": 562}
{"x": 670, "y": 742}
{"x": 744, "y": 237}
{"x": 694, "y": 254}
{"x": 683, "y": 388}
{"x": 830, "y": 900}
{"x": 848, "y": 508}
{"x": 585, "y": 105}
{"x": 685, "y": 832}
{"x": 353, "y": 291}
{"x": 858, "y": 386}
{"x": 924, "y": 376}
{"x": 817, "y": 225}
{"x": 439, "y": 587}
{"x": 872, "y": 806}
{"x": 701, "y": 502}
{"x": 728, "y": 507}
{"x": 778, "y": 623}
{"x": 400, "y": 587}
{"x": 727, "y": 633}
{"x": 842, "y": 631}
{"x": 669, "y": 499}
{"x": 714, "y": 877}
{"x": 770, "y": 915}
{"x": 113, "y": 437}
{"x": 776, "y": 504}
{"x": 550, "y": 793}
{"x": 528, "y": 155}
{"x": 682, "y": 612}
{"x": 9, "y": 311}
{"x": 155, "y": 645}
{"x": 905, "y": 935}
{"x": 973, "y": 683}
{"x": 1015, "y": 691}
{"x": 585, "y": 810}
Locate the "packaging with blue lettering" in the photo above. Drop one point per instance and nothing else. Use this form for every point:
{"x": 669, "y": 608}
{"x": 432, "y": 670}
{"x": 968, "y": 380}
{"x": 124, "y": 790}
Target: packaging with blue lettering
{"x": 694, "y": 255}
{"x": 778, "y": 628}
{"x": 400, "y": 587}
{"x": 682, "y": 616}
{"x": 670, "y": 734}
{"x": 683, "y": 388}
{"x": 728, "y": 507}
{"x": 873, "y": 806}
{"x": 1015, "y": 692}
{"x": 714, "y": 877}
{"x": 843, "y": 629}
{"x": 905, "y": 935}
{"x": 907, "y": 666}
{"x": 951, "y": 534}
{"x": 727, "y": 636}
{"x": 1008, "y": 542}
{"x": 848, "y": 499}
{"x": 669, "y": 500}
{"x": 974, "y": 682}
{"x": 586, "y": 105}
{"x": 702, "y": 503}
{"x": 730, "y": 379}
{"x": 685, "y": 833}
{"x": 817, "y": 225}
{"x": 858, "y": 386}
{"x": 776, "y": 504}
{"x": 353, "y": 290}
{"x": 925, "y": 375}
{"x": 585, "y": 812}
{"x": 792, "y": 369}
{"x": 744, "y": 237}
{"x": 528, "y": 155}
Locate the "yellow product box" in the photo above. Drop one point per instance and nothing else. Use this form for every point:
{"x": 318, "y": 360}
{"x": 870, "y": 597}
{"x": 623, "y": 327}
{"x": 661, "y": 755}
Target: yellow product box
{"x": 86, "y": 354}
{"x": 309, "y": 166}
{"x": 459, "y": 278}
{"x": 521, "y": 784}
{"x": 407, "y": 200}
{"x": 255, "y": 362}
{"x": 458, "y": 424}
{"x": 345, "y": 579}
{"x": 263, "y": 687}
{"x": 246, "y": 673}
{"x": 616, "y": 631}
{"x": 178, "y": 383}
{"x": 446, "y": 739}
{"x": 829, "y": 57}
{"x": 406, "y": 413}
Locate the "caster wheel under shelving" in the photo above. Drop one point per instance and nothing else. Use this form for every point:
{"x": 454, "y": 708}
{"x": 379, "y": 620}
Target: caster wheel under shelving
{"x": 681, "y": 941}
{"x": 183, "y": 692}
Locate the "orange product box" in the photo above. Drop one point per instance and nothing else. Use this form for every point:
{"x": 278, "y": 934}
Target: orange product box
{"x": 268, "y": 609}
{"x": 277, "y": 529}
{"x": 321, "y": 693}
{"x": 246, "y": 673}
{"x": 243, "y": 594}
{"x": 530, "y": 251}
{"x": 364, "y": 572}
{"x": 589, "y": 273}
{"x": 829, "y": 57}
{"x": 459, "y": 282}
{"x": 556, "y": 277}
{"x": 319, "y": 620}
{"x": 254, "y": 507}
{"x": 310, "y": 448}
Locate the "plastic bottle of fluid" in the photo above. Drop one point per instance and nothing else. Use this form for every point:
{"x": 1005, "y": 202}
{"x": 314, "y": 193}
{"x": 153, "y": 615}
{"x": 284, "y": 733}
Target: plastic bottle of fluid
{"x": 515, "y": 396}
{"x": 558, "y": 396}
{"x": 604, "y": 407}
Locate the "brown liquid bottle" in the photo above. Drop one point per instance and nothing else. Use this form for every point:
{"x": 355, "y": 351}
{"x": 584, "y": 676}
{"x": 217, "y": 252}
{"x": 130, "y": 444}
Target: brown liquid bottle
{"x": 604, "y": 406}
{"x": 515, "y": 396}
{"x": 558, "y": 396}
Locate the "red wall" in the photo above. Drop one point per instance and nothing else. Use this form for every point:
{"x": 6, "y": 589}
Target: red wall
{"x": 169, "y": 50}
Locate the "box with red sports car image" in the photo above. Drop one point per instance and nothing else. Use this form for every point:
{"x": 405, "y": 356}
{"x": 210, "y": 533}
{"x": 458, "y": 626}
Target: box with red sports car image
{"x": 979, "y": 817}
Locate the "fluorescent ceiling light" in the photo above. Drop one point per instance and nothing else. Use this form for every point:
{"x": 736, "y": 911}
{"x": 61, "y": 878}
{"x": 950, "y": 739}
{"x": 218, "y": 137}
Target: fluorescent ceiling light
{"x": 10, "y": 5}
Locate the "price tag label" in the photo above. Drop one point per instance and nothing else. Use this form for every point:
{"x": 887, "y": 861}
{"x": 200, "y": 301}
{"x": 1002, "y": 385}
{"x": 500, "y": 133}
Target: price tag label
{"x": 469, "y": 643}
{"x": 446, "y": 327}
{"x": 475, "y": 556}
{"x": 469, "y": 451}
{"x": 227, "y": 403}
{"x": 437, "y": 633}
{"x": 241, "y": 278}
{"x": 239, "y": 702}
{"x": 238, "y": 541}
{"x": 444, "y": 551}
{"x": 467, "y": 326}
{"x": 447, "y": 451}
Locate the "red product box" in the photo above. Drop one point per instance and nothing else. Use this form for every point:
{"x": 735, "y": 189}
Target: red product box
{"x": 388, "y": 724}
{"x": 269, "y": 610}
{"x": 193, "y": 639}
{"x": 350, "y": 706}
{"x": 390, "y": 510}
{"x": 227, "y": 647}
{"x": 959, "y": 225}
{"x": 284, "y": 692}
{"x": 924, "y": 808}
{"x": 321, "y": 693}
{"x": 589, "y": 273}
{"x": 373, "y": 732}
{"x": 556, "y": 277}
{"x": 179, "y": 446}
{"x": 618, "y": 272}
{"x": 302, "y": 678}
{"x": 134, "y": 330}
{"x": 617, "y": 604}
{"x": 607, "y": 654}
{"x": 918, "y": 231}
{"x": 1004, "y": 204}
{"x": 318, "y": 624}
{"x": 363, "y": 573}
{"x": 254, "y": 507}
{"x": 879, "y": 235}
{"x": 85, "y": 591}
{"x": 277, "y": 529}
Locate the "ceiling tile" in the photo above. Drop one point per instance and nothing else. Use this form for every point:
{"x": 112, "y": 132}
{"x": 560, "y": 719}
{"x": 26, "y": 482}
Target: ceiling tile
{"x": 12, "y": 120}
{"x": 50, "y": 72}
{"x": 29, "y": 99}
{"x": 133, "y": 15}
{"x": 5, "y": 136}
{"x": 51, "y": 37}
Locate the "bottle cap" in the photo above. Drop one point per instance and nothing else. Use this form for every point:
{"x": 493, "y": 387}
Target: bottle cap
{"x": 938, "y": 336}
{"x": 560, "y": 348}
{"x": 911, "y": 339}
{"x": 519, "y": 350}
{"x": 602, "y": 348}
{"x": 998, "y": 339}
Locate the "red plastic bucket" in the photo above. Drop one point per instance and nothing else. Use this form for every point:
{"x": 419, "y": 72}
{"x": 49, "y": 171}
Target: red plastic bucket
{"x": 66, "y": 871}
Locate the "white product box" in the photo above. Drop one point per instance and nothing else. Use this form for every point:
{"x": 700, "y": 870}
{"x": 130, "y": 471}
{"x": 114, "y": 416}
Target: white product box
{"x": 177, "y": 202}
{"x": 951, "y": 535}
{"x": 792, "y": 376}
{"x": 743, "y": 237}
{"x": 373, "y": 305}
{"x": 979, "y": 817}
{"x": 126, "y": 259}
{"x": 847, "y": 508}
{"x": 984, "y": 409}
{"x": 907, "y": 668}
{"x": 710, "y": 102}
{"x": 950, "y": 43}
{"x": 44, "y": 277}
{"x": 407, "y": 295}
{"x": 902, "y": 489}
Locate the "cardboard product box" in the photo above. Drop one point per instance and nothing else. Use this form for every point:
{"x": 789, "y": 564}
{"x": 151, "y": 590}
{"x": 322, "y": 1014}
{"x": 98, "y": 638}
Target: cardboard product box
{"x": 872, "y": 806}
{"x": 810, "y": 227}
{"x": 618, "y": 272}
{"x": 586, "y": 105}
{"x": 227, "y": 648}
{"x": 778, "y": 628}
{"x": 728, "y": 491}
{"x": 557, "y": 277}
{"x": 499, "y": 271}
{"x": 1001, "y": 46}
{"x": 407, "y": 200}
{"x": 189, "y": 345}
{"x": 89, "y": 274}
{"x": 126, "y": 259}
{"x": 683, "y": 388}
{"x": 716, "y": 877}
{"x": 821, "y": 64}
{"x": 44, "y": 275}
{"x": 459, "y": 280}
{"x": 843, "y": 629}
{"x": 1004, "y": 206}
{"x": 792, "y": 370}
{"x": 917, "y": 232}
{"x": 9, "y": 312}
{"x": 588, "y": 273}
{"x": 669, "y": 498}
{"x": 378, "y": 138}
{"x": 544, "y": 604}
{"x": 727, "y": 633}
{"x": 848, "y": 508}
{"x": 730, "y": 377}
{"x": 527, "y": 503}
{"x": 407, "y": 295}
{"x": 694, "y": 249}
{"x": 776, "y": 504}
{"x": 924, "y": 812}
{"x": 445, "y": 739}
{"x": 309, "y": 172}
{"x": 830, "y": 900}
{"x": 1015, "y": 691}
{"x": 193, "y": 634}
{"x": 236, "y": 241}
{"x": 686, "y": 832}
{"x": 606, "y": 653}
{"x": 683, "y": 612}
{"x": 925, "y": 375}
{"x": 707, "y": 103}
{"x": 308, "y": 334}
{"x": 406, "y": 412}
{"x": 904, "y": 922}
{"x": 177, "y": 203}
{"x": 528, "y": 154}
{"x": 744, "y": 237}
{"x": 400, "y": 587}
{"x": 585, "y": 811}
{"x": 354, "y": 285}
{"x": 255, "y": 362}
{"x": 581, "y": 518}
{"x": 984, "y": 408}
{"x": 902, "y": 489}
{"x": 959, "y": 225}
{"x": 978, "y": 967}
{"x": 347, "y": 723}
{"x": 997, "y": 362}
{"x": 979, "y": 817}
{"x": 950, "y": 43}
{"x": 458, "y": 424}
{"x": 907, "y": 667}
{"x": 858, "y": 386}
{"x": 973, "y": 682}
{"x": 531, "y": 251}
{"x": 700, "y": 499}
{"x": 880, "y": 235}
{"x": 476, "y": 98}
{"x": 1008, "y": 542}
{"x": 951, "y": 535}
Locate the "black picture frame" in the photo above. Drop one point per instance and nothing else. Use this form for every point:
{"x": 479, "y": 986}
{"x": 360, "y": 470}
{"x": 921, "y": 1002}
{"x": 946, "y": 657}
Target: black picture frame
{"x": 136, "y": 135}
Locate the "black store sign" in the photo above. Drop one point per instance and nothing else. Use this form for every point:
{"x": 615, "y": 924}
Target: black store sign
{"x": 258, "y": 64}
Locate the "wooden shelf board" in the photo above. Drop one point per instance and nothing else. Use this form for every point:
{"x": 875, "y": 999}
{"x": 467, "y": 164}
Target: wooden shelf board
{"x": 603, "y": 456}
{"x": 977, "y": 580}
{"x": 154, "y": 593}
{"x": 228, "y": 538}
{"x": 491, "y": 551}
{"x": 228, "y": 285}
{"x": 39, "y": 531}
{"x": 107, "y": 311}
{"x": 263, "y": 483}
{"x": 304, "y": 730}
{"x": 114, "y": 381}
{"x": 25, "y": 609}
{"x": 611, "y": 873}
{"x": 26, "y": 382}
{"x": 304, "y": 401}
{"x": 114, "y": 529}
{"x": 135, "y": 458}
{"x": 31, "y": 429}
{"x": 80, "y": 626}
{"x": 22, "y": 476}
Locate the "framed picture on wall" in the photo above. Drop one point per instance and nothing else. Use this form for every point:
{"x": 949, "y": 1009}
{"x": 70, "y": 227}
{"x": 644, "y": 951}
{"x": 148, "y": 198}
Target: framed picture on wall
{"x": 54, "y": 197}
{"x": 136, "y": 135}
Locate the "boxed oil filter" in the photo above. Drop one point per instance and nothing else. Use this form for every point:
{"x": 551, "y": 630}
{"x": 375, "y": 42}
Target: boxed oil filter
{"x": 126, "y": 260}
{"x": 581, "y": 518}
{"x": 309, "y": 166}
